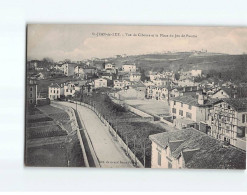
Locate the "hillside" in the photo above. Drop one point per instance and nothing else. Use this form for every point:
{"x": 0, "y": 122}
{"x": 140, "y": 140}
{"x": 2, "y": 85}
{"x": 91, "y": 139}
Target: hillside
{"x": 233, "y": 67}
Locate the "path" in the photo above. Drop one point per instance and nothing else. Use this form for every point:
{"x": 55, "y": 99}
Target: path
{"x": 108, "y": 151}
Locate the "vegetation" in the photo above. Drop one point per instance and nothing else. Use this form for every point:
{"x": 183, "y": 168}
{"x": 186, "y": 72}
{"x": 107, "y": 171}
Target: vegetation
{"x": 134, "y": 134}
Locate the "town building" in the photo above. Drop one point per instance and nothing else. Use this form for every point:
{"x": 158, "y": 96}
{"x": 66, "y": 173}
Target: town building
{"x": 54, "y": 91}
{"x": 135, "y": 77}
{"x": 228, "y": 121}
{"x": 121, "y": 84}
{"x": 220, "y": 93}
{"x": 186, "y": 82}
{"x": 109, "y": 66}
{"x": 196, "y": 73}
{"x": 129, "y": 68}
{"x": 108, "y": 76}
{"x": 189, "y": 148}
{"x": 69, "y": 69}
{"x": 69, "y": 89}
{"x": 101, "y": 82}
{"x": 31, "y": 92}
{"x": 183, "y": 91}
{"x": 195, "y": 109}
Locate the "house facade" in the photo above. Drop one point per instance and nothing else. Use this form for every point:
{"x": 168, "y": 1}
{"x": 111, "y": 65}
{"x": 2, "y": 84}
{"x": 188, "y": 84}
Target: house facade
{"x": 187, "y": 148}
{"x": 190, "y": 108}
{"x": 54, "y": 91}
{"x": 31, "y": 93}
{"x": 221, "y": 93}
{"x": 228, "y": 121}
{"x": 101, "y": 82}
{"x": 121, "y": 84}
{"x": 69, "y": 69}
{"x": 129, "y": 68}
{"x": 69, "y": 89}
{"x": 136, "y": 77}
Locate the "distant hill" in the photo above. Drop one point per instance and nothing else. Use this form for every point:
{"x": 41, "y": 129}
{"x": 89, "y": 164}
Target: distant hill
{"x": 234, "y": 65}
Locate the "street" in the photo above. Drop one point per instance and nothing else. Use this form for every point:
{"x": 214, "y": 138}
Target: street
{"x": 108, "y": 151}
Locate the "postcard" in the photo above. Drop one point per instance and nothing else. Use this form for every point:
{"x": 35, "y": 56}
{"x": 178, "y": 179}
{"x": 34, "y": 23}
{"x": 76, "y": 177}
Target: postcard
{"x": 125, "y": 96}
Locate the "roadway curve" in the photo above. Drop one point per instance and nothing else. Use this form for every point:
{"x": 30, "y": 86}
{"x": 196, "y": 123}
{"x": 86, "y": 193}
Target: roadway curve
{"x": 108, "y": 151}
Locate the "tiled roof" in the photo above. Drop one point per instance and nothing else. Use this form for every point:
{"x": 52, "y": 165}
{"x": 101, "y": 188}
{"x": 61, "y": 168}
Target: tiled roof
{"x": 201, "y": 151}
{"x": 173, "y": 145}
{"x": 189, "y": 100}
{"x": 188, "y": 154}
{"x": 239, "y": 104}
{"x": 54, "y": 85}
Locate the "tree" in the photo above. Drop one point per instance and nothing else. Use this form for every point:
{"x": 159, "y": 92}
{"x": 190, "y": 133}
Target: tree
{"x": 177, "y": 76}
{"x": 67, "y": 61}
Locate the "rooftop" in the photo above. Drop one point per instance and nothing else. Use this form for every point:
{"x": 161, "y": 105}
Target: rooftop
{"x": 54, "y": 85}
{"x": 200, "y": 150}
{"x": 189, "y": 100}
{"x": 239, "y": 104}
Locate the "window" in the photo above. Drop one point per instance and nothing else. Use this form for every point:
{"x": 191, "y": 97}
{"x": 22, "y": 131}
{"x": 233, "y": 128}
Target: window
{"x": 190, "y": 107}
{"x": 243, "y": 118}
{"x": 181, "y": 113}
{"x": 31, "y": 89}
{"x": 188, "y": 115}
{"x": 181, "y": 104}
{"x": 174, "y": 110}
{"x": 31, "y": 95}
{"x": 30, "y": 101}
{"x": 174, "y": 103}
{"x": 67, "y": 90}
{"x": 229, "y": 107}
{"x": 159, "y": 159}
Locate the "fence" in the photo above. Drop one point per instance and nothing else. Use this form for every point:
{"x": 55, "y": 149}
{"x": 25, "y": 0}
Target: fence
{"x": 115, "y": 134}
{"x": 144, "y": 115}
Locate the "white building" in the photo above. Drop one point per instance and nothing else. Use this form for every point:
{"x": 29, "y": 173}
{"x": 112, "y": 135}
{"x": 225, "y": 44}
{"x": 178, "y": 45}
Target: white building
{"x": 189, "y": 148}
{"x": 129, "y": 68}
{"x": 220, "y": 94}
{"x": 109, "y": 66}
{"x": 228, "y": 121}
{"x": 196, "y": 73}
{"x": 190, "y": 108}
{"x": 118, "y": 84}
{"x": 135, "y": 77}
{"x": 54, "y": 91}
{"x": 69, "y": 89}
{"x": 186, "y": 82}
{"x": 69, "y": 69}
{"x": 101, "y": 82}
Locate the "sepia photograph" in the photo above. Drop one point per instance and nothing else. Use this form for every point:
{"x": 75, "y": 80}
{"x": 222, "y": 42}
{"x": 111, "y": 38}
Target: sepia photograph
{"x": 135, "y": 96}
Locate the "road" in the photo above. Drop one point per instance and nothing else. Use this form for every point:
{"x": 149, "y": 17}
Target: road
{"x": 107, "y": 149}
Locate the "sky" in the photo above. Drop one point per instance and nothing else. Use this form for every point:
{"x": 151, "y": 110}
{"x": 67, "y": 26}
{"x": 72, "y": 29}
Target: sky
{"x": 78, "y": 41}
